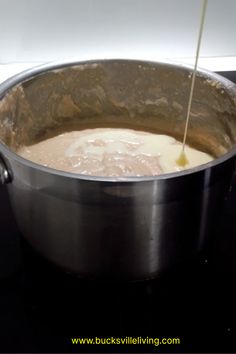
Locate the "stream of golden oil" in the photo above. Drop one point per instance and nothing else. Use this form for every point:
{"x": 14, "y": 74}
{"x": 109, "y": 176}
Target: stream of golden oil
{"x": 182, "y": 160}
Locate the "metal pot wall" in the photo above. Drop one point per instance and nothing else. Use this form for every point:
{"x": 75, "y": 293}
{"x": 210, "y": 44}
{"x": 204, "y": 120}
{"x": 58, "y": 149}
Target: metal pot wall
{"x": 119, "y": 228}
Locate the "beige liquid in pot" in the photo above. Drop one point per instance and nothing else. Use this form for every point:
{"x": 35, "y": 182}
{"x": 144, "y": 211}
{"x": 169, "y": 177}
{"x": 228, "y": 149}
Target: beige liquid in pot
{"x": 112, "y": 152}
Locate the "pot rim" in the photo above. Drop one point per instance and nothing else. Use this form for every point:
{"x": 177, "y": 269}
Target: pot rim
{"x": 52, "y": 66}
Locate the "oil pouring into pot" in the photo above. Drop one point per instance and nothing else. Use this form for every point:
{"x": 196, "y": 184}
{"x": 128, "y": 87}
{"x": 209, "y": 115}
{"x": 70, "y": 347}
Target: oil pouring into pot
{"x": 119, "y": 152}
{"x": 116, "y": 227}
{"x": 182, "y": 160}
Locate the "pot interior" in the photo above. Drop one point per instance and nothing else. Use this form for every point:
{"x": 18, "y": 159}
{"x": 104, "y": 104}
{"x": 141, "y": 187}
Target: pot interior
{"x": 120, "y": 93}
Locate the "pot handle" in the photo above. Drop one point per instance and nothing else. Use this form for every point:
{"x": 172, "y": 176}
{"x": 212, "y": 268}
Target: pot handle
{"x": 5, "y": 176}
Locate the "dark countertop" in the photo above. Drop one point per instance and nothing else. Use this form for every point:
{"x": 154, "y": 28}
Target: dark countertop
{"x": 42, "y": 308}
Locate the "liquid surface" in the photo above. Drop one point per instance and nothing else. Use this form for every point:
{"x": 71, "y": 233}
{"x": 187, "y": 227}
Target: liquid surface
{"x": 112, "y": 152}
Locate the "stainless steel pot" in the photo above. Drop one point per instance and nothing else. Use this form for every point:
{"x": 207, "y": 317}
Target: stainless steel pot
{"x": 132, "y": 228}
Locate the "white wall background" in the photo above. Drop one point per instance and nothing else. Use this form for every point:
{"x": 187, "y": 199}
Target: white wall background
{"x": 45, "y": 30}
